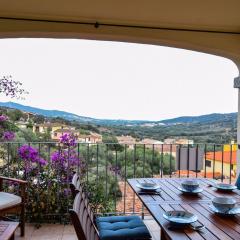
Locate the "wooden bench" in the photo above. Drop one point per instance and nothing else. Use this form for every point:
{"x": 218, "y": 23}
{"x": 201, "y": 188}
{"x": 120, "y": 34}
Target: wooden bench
{"x": 88, "y": 227}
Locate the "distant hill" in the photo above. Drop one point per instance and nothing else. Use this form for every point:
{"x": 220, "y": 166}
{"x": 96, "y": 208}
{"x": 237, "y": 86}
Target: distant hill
{"x": 46, "y": 113}
{"x": 209, "y": 118}
{"x": 215, "y": 117}
{"x": 68, "y": 116}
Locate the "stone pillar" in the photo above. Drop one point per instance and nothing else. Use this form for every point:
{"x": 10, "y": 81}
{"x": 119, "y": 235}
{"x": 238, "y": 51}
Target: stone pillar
{"x": 237, "y": 85}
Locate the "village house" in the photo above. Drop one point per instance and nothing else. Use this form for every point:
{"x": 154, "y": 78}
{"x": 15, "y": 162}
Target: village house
{"x": 180, "y": 141}
{"x": 57, "y": 134}
{"x": 22, "y": 124}
{"x": 50, "y": 127}
{"x": 222, "y": 161}
{"x": 149, "y": 141}
{"x": 129, "y": 140}
{"x": 90, "y": 138}
{"x": 184, "y": 141}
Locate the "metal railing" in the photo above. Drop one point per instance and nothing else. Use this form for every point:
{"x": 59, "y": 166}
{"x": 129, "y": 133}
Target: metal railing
{"x": 104, "y": 170}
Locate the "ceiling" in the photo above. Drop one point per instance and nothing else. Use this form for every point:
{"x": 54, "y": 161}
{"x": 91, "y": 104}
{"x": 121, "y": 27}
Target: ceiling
{"x": 208, "y": 25}
{"x": 212, "y": 15}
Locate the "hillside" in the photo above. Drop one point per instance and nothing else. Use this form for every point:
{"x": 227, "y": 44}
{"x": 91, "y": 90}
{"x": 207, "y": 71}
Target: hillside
{"x": 211, "y": 128}
{"x": 214, "y": 117}
{"x": 210, "y": 118}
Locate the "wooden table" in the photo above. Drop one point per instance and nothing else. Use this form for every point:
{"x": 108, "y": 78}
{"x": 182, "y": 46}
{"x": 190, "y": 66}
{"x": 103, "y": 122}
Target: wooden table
{"x": 7, "y": 230}
{"x": 170, "y": 198}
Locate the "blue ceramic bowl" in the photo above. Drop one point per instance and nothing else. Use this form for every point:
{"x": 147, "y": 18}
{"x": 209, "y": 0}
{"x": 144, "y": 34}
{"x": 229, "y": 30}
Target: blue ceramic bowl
{"x": 190, "y": 185}
{"x": 224, "y": 204}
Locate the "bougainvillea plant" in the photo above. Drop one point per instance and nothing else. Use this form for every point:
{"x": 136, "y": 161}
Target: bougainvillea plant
{"x": 31, "y": 157}
{"x": 5, "y": 129}
{"x": 11, "y": 88}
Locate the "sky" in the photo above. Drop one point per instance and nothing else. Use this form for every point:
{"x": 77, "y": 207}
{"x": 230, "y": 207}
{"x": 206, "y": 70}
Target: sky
{"x": 114, "y": 80}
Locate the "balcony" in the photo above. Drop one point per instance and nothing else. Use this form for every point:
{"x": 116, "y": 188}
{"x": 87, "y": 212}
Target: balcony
{"x": 104, "y": 169}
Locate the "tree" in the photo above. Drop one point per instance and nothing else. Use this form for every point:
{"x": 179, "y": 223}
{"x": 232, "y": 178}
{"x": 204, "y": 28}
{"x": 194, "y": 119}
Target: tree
{"x": 15, "y": 115}
{"x": 109, "y": 140}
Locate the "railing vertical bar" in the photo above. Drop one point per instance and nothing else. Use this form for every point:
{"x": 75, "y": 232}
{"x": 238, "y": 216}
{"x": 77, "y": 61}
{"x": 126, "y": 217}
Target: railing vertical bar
{"x": 38, "y": 179}
{"x": 205, "y": 158}
{"x": 18, "y": 160}
{"x": 144, "y": 161}
{"x": 79, "y": 161}
{"x": 170, "y": 159}
{"x": 48, "y": 171}
{"x": 97, "y": 165}
{"x": 8, "y": 159}
{"x": 179, "y": 160}
{"x": 222, "y": 162}
{"x": 106, "y": 170}
{"x": 161, "y": 162}
{"x": 68, "y": 183}
{"x": 197, "y": 150}
{"x": 59, "y": 186}
{"x": 87, "y": 164}
{"x": 214, "y": 159}
{"x": 230, "y": 173}
{"x": 153, "y": 158}
{"x": 134, "y": 174}
{"x": 116, "y": 181}
{"x": 188, "y": 160}
{"x": 125, "y": 178}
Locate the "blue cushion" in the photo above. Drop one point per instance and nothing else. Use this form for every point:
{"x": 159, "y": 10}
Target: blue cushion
{"x": 121, "y": 228}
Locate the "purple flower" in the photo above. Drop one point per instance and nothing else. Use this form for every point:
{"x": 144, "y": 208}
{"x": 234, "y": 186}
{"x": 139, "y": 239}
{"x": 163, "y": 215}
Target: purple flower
{"x": 42, "y": 161}
{"x": 68, "y": 140}
{"x": 8, "y": 136}
{"x": 66, "y": 192}
{"x": 30, "y": 155}
{"x": 65, "y": 158}
{"x": 3, "y": 118}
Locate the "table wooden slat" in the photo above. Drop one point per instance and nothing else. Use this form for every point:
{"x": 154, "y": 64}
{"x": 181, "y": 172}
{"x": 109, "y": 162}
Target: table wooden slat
{"x": 171, "y": 198}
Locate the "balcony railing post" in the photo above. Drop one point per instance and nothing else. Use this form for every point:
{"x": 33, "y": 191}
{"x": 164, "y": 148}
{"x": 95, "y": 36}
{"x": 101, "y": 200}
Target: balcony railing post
{"x": 237, "y": 85}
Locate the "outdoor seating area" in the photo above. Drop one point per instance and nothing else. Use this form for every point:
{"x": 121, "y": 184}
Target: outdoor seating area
{"x": 180, "y": 208}
{"x": 97, "y": 201}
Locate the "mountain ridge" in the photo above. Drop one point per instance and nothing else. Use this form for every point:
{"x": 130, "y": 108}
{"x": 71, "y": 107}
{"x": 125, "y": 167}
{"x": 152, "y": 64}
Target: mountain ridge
{"x": 213, "y": 117}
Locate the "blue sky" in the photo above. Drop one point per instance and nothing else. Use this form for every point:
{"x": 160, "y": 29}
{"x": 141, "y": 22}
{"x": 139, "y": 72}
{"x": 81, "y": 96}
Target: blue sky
{"x": 119, "y": 80}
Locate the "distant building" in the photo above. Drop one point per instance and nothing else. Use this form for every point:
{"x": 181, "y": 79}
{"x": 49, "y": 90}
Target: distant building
{"x": 56, "y": 135}
{"x": 22, "y": 124}
{"x": 169, "y": 141}
{"x": 90, "y": 138}
{"x": 50, "y": 127}
{"x": 219, "y": 161}
{"x": 150, "y": 141}
{"x": 184, "y": 141}
{"x": 129, "y": 140}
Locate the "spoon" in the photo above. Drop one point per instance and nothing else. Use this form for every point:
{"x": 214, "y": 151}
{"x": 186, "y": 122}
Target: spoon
{"x": 197, "y": 227}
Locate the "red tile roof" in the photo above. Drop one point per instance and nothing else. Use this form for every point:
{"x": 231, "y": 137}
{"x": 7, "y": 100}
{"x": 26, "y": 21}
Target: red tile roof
{"x": 226, "y": 156}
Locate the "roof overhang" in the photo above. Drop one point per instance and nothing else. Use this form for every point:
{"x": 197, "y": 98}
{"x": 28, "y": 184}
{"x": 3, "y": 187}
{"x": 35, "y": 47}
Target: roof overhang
{"x": 208, "y": 26}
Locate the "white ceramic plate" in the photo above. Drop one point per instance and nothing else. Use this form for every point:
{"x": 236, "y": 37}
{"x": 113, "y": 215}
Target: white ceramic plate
{"x": 180, "y": 217}
{"x": 233, "y": 211}
{"x": 148, "y": 188}
{"x": 225, "y": 187}
{"x": 198, "y": 190}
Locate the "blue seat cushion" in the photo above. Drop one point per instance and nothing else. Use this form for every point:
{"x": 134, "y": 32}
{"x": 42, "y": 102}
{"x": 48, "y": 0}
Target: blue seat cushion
{"x": 121, "y": 228}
